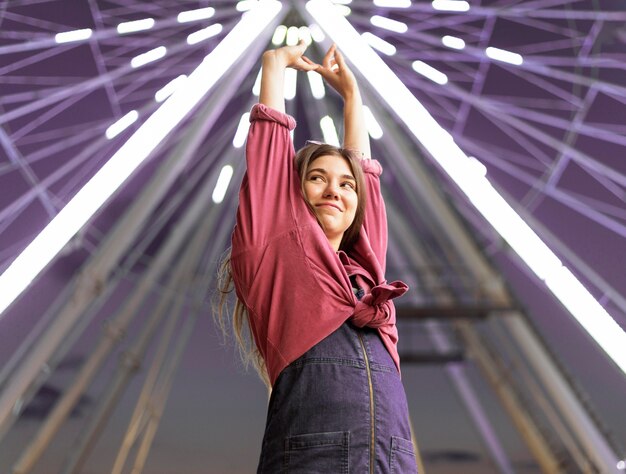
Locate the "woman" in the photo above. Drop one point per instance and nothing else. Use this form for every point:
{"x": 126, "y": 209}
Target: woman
{"x": 307, "y": 262}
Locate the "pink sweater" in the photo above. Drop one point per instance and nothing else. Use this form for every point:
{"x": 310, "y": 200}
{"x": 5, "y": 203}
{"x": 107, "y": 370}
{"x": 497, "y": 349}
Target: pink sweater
{"x": 295, "y": 286}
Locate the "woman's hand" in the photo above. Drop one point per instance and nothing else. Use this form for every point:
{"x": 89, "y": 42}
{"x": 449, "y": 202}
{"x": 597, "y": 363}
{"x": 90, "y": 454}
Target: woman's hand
{"x": 337, "y": 73}
{"x": 291, "y": 56}
{"x": 275, "y": 62}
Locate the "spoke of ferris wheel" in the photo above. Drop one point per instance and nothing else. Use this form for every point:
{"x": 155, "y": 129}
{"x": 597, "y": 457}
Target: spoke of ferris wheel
{"x": 552, "y": 176}
{"x": 99, "y": 60}
{"x": 566, "y": 198}
{"x": 489, "y": 110}
{"x": 26, "y": 171}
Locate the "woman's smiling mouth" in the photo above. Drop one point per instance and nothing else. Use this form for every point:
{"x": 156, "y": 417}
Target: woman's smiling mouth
{"x": 329, "y": 204}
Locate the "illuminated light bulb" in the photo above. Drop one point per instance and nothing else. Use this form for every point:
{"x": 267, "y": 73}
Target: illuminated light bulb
{"x": 221, "y": 186}
{"x": 195, "y": 15}
{"x": 122, "y": 124}
{"x": 256, "y": 89}
{"x": 453, "y": 42}
{"x": 393, "y": 3}
{"x": 317, "y": 84}
{"x": 389, "y": 24}
{"x": 451, "y": 5}
{"x": 293, "y": 35}
{"x": 134, "y": 26}
{"x": 204, "y": 33}
{"x": 148, "y": 57}
{"x": 169, "y": 88}
{"x": 430, "y": 72}
{"x": 71, "y": 36}
{"x": 504, "y": 56}
{"x": 291, "y": 77}
{"x": 316, "y": 33}
{"x": 242, "y": 130}
{"x": 373, "y": 127}
{"x": 279, "y": 35}
{"x": 329, "y": 131}
{"x": 379, "y": 44}
{"x": 305, "y": 34}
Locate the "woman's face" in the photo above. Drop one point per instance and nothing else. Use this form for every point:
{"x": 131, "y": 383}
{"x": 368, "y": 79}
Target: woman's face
{"x": 330, "y": 189}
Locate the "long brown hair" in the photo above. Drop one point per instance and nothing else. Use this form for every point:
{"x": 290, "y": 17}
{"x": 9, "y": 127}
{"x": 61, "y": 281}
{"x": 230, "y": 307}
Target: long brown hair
{"x": 225, "y": 284}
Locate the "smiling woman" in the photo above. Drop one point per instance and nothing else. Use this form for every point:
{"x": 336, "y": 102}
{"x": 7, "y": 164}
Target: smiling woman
{"x": 334, "y": 187}
{"x": 309, "y": 274}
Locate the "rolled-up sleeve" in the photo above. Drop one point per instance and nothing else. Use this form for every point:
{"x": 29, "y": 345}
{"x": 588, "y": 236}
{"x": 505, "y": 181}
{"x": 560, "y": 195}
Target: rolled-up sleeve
{"x": 270, "y": 181}
{"x": 375, "y": 223}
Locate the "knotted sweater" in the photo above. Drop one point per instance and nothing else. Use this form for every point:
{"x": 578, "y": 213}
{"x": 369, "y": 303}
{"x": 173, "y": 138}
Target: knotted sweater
{"x": 296, "y": 288}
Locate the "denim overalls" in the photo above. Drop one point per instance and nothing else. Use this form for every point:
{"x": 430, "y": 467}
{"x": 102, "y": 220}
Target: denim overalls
{"x": 340, "y": 408}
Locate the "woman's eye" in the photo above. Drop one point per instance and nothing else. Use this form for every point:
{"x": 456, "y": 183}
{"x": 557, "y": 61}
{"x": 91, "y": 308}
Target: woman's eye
{"x": 349, "y": 184}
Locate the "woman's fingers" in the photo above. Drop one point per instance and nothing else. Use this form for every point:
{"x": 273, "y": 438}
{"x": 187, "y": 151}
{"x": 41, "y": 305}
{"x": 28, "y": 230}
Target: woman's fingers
{"x": 328, "y": 57}
{"x": 305, "y": 64}
{"x": 339, "y": 59}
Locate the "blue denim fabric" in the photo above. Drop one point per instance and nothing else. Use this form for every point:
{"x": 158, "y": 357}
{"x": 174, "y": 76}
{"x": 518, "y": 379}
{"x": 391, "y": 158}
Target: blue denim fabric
{"x": 319, "y": 412}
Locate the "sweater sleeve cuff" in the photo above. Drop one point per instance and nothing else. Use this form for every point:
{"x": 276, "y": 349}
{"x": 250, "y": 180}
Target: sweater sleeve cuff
{"x": 372, "y": 166}
{"x": 263, "y": 112}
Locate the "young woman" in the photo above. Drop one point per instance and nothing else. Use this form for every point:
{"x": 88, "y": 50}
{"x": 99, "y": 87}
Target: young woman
{"x": 308, "y": 262}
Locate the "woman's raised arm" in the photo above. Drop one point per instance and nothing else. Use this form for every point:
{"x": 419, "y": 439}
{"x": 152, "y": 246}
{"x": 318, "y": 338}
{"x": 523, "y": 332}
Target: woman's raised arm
{"x": 275, "y": 61}
{"x": 336, "y": 72}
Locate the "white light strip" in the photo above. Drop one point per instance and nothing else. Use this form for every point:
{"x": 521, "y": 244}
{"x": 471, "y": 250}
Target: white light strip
{"x": 242, "y": 130}
{"x": 195, "y": 15}
{"x": 441, "y": 146}
{"x": 169, "y": 88}
{"x": 451, "y": 5}
{"x": 373, "y": 127}
{"x": 293, "y": 36}
{"x": 342, "y": 2}
{"x": 317, "y": 85}
{"x": 245, "y": 5}
{"x": 148, "y": 57}
{"x": 389, "y": 24}
{"x": 133, "y": 26}
{"x": 204, "y": 33}
{"x": 122, "y": 124}
{"x": 279, "y": 35}
{"x": 453, "y": 42}
{"x": 70, "y": 36}
{"x": 291, "y": 79}
{"x": 343, "y": 10}
{"x": 110, "y": 177}
{"x": 482, "y": 169}
{"x": 316, "y": 33}
{"x": 221, "y": 186}
{"x": 393, "y": 3}
{"x": 329, "y": 131}
{"x": 504, "y": 56}
{"x": 430, "y": 72}
{"x": 379, "y": 44}
{"x": 256, "y": 89}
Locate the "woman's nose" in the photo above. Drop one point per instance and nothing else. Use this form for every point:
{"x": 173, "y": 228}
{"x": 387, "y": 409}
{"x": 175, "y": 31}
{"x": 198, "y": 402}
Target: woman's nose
{"x": 332, "y": 190}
